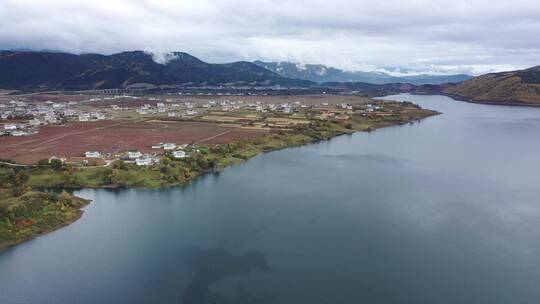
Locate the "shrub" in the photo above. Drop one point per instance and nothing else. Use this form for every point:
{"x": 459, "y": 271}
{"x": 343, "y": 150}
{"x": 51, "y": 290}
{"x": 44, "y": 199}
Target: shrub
{"x": 120, "y": 165}
{"x": 56, "y": 164}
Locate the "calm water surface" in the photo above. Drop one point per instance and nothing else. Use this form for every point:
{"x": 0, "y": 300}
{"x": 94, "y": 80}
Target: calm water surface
{"x": 442, "y": 211}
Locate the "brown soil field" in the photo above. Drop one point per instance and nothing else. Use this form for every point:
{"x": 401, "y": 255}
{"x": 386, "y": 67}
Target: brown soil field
{"x": 38, "y": 98}
{"x": 76, "y": 138}
{"x": 126, "y": 102}
{"x": 306, "y": 99}
{"x": 145, "y": 99}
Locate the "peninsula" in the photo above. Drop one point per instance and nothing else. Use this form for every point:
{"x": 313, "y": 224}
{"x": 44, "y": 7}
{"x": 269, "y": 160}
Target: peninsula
{"x": 153, "y": 141}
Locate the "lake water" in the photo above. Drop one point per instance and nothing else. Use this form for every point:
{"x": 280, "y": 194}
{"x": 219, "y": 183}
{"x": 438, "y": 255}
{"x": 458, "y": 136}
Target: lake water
{"x": 442, "y": 211}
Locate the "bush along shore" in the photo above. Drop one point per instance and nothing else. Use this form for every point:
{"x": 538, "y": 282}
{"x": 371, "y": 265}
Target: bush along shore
{"x": 35, "y": 213}
{"x": 26, "y": 212}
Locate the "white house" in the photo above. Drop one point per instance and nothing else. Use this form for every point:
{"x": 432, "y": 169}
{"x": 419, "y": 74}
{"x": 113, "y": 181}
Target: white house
{"x": 70, "y": 112}
{"x": 18, "y": 133}
{"x": 34, "y": 122}
{"x": 143, "y": 161}
{"x": 169, "y": 146}
{"x": 61, "y": 159}
{"x": 84, "y": 117}
{"x": 134, "y": 154}
{"x": 286, "y": 109}
{"x": 51, "y": 119}
{"x": 179, "y": 154}
{"x": 10, "y": 127}
{"x": 158, "y": 146}
{"x": 92, "y": 154}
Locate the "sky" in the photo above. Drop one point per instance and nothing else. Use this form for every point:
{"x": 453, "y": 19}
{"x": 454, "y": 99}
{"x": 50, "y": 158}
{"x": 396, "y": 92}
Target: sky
{"x": 440, "y": 37}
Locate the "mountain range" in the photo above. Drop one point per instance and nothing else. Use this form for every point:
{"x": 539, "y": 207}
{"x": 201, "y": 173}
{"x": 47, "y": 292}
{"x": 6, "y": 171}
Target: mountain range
{"x": 46, "y": 71}
{"x": 521, "y": 87}
{"x": 321, "y": 73}
{"x": 63, "y": 71}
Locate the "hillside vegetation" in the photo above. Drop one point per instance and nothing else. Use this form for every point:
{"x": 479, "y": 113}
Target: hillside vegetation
{"x": 63, "y": 71}
{"x": 35, "y": 213}
{"x": 515, "y": 87}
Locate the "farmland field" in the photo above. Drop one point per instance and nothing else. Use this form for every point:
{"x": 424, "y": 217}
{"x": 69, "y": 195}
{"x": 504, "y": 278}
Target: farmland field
{"x": 75, "y": 138}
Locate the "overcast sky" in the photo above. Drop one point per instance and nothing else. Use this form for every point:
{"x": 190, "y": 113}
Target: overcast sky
{"x": 471, "y": 36}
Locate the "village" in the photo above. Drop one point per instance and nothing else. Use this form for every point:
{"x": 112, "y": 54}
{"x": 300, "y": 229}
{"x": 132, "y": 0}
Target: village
{"x": 160, "y": 117}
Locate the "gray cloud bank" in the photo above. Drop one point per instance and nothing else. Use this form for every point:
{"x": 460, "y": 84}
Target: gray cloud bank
{"x": 471, "y": 36}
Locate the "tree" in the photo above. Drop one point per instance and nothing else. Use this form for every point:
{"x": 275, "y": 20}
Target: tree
{"x": 20, "y": 177}
{"x": 56, "y": 164}
{"x": 108, "y": 176}
{"x": 43, "y": 163}
{"x": 120, "y": 165}
{"x": 164, "y": 170}
{"x": 5, "y": 178}
{"x": 166, "y": 161}
{"x": 18, "y": 191}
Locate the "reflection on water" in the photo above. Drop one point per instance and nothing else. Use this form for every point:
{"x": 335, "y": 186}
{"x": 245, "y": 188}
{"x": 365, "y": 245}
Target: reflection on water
{"x": 211, "y": 265}
{"x": 371, "y": 158}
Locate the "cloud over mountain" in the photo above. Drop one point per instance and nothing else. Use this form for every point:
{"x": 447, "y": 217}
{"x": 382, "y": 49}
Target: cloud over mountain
{"x": 456, "y": 36}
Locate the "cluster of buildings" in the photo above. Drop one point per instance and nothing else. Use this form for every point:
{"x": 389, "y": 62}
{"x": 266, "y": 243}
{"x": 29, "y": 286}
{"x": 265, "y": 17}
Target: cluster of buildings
{"x": 132, "y": 156}
{"x": 344, "y": 111}
{"x": 47, "y": 112}
{"x": 17, "y": 129}
{"x": 91, "y": 116}
{"x": 286, "y": 108}
{"x": 145, "y": 159}
{"x": 172, "y": 109}
{"x": 190, "y": 109}
{"x": 24, "y": 118}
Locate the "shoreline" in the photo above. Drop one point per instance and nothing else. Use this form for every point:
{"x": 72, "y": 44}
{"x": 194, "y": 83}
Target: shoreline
{"x": 214, "y": 160}
{"x": 60, "y": 211}
{"x": 7, "y": 245}
{"x": 493, "y": 103}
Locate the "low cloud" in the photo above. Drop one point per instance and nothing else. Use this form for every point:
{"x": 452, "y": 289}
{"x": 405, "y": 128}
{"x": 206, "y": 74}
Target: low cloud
{"x": 461, "y": 35}
{"x": 161, "y": 57}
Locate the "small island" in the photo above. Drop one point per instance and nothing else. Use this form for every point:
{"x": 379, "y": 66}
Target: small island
{"x": 33, "y": 193}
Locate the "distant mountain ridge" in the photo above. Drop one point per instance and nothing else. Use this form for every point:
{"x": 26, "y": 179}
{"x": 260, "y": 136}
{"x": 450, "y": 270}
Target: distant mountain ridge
{"x": 53, "y": 71}
{"x": 513, "y": 87}
{"x": 321, "y": 74}
{"x": 45, "y": 71}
